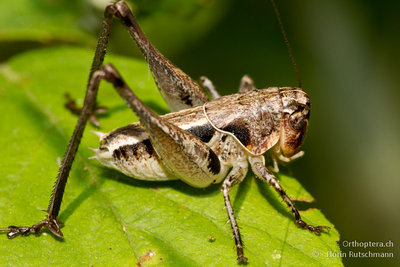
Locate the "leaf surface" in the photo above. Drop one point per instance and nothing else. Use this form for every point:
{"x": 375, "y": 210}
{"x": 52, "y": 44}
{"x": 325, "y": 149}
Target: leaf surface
{"x": 44, "y": 21}
{"x": 172, "y": 25}
{"x": 111, "y": 219}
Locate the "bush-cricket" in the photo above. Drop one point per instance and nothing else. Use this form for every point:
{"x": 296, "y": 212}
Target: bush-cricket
{"x": 203, "y": 141}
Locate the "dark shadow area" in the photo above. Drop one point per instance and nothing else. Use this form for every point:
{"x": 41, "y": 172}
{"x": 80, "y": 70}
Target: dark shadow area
{"x": 85, "y": 194}
{"x": 15, "y": 48}
{"x": 174, "y": 184}
{"x": 241, "y": 194}
{"x": 42, "y": 124}
{"x": 267, "y": 192}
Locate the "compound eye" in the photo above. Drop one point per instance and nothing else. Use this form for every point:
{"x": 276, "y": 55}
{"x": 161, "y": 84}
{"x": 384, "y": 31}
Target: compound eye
{"x": 298, "y": 119}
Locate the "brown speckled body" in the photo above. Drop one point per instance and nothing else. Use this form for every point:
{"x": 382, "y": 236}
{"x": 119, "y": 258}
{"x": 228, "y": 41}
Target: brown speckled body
{"x": 234, "y": 127}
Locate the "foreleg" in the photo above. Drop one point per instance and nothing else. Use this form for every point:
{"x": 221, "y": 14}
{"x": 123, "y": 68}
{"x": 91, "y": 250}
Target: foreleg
{"x": 262, "y": 172}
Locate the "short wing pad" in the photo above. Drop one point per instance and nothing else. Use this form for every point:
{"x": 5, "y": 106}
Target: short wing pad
{"x": 252, "y": 117}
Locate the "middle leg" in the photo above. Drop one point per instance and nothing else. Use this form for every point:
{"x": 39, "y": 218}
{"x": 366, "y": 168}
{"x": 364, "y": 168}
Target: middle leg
{"x": 235, "y": 176}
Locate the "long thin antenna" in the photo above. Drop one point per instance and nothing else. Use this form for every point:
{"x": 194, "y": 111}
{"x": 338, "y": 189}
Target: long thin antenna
{"x": 286, "y": 41}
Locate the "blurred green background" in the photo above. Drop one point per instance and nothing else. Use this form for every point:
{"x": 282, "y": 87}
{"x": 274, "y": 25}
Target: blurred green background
{"x": 347, "y": 53}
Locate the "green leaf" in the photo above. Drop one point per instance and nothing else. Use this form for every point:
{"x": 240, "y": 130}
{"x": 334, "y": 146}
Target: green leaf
{"x": 111, "y": 219}
{"x": 43, "y": 21}
{"x": 172, "y": 25}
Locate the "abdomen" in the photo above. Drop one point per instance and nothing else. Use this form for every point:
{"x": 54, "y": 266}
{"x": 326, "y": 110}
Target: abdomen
{"x": 129, "y": 149}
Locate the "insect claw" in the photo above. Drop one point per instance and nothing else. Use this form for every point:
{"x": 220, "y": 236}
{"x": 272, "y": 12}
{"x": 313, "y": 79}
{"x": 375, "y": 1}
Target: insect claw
{"x": 55, "y": 229}
{"x": 242, "y": 260}
{"x": 15, "y": 231}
